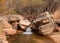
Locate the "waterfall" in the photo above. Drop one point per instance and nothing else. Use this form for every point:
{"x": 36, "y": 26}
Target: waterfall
{"x": 28, "y": 31}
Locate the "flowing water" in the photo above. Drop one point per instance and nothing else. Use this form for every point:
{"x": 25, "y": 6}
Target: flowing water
{"x": 29, "y": 37}
{"x": 28, "y": 31}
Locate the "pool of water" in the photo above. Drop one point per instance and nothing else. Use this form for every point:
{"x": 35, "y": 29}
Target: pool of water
{"x": 30, "y": 38}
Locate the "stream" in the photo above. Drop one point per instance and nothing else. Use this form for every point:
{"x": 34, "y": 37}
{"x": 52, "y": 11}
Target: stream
{"x": 29, "y": 37}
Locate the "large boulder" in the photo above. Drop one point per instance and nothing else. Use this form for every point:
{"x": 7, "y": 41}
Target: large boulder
{"x": 3, "y": 38}
{"x": 56, "y": 17}
{"x": 17, "y": 20}
{"x": 6, "y": 26}
{"x": 44, "y": 24}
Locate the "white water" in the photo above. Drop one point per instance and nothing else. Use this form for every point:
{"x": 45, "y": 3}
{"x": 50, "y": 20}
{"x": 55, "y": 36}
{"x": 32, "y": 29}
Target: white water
{"x": 28, "y": 31}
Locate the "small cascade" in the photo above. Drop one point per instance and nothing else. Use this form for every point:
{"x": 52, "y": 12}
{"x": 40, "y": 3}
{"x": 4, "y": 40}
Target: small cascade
{"x": 28, "y": 31}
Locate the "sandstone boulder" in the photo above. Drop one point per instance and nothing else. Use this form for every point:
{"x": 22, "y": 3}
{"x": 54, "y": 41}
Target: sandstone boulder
{"x": 44, "y": 24}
